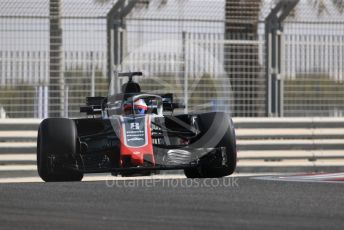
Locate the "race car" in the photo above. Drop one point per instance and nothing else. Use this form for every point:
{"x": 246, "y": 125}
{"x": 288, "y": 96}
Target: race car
{"x": 135, "y": 133}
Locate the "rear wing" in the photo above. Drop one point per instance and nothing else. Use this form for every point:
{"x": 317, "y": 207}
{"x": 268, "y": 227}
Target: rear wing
{"x": 130, "y": 74}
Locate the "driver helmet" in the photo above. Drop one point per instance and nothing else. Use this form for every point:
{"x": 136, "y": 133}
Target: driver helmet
{"x": 140, "y": 107}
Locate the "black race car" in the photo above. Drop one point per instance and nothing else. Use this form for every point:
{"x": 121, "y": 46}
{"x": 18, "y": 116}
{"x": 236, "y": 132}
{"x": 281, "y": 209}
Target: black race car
{"x": 130, "y": 134}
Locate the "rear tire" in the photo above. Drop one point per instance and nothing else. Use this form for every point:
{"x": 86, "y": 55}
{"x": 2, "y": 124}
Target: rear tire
{"x": 57, "y": 137}
{"x": 211, "y": 125}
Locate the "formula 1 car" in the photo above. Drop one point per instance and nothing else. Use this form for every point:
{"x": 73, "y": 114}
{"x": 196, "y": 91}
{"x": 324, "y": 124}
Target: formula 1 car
{"x": 129, "y": 133}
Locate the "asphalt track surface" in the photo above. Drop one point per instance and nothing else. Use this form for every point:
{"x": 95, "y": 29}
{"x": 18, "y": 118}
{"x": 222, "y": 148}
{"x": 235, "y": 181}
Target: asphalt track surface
{"x": 228, "y": 203}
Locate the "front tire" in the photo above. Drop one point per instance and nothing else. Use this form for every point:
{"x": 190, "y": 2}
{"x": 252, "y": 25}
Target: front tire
{"x": 57, "y": 137}
{"x": 211, "y": 125}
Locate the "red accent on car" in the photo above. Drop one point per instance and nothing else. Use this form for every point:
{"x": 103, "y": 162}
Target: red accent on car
{"x": 136, "y": 156}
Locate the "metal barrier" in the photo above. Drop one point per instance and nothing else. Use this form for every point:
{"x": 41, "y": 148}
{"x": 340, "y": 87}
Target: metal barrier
{"x": 264, "y": 144}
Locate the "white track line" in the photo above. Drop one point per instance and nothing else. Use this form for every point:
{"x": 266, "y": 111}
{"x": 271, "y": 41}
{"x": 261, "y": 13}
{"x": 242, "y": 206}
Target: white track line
{"x": 317, "y": 178}
{"x": 94, "y": 178}
{"x": 324, "y": 176}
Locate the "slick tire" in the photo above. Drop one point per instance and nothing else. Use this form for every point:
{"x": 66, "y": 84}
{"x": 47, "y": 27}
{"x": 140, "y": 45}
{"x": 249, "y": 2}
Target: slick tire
{"x": 212, "y": 125}
{"x": 57, "y": 137}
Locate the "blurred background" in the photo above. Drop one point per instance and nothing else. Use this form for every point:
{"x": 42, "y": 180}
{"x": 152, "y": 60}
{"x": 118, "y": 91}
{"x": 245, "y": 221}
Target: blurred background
{"x": 263, "y": 58}
{"x": 275, "y": 65}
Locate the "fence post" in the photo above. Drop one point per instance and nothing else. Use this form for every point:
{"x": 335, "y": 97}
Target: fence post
{"x": 114, "y": 34}
{"x": 56, "y": 75}
{"x": 40, "y": 102}
{"x": 66, "y": 104}
{"x": 45, "y": 101}
{"x": 185, "y": 74}
{"x": 274, "y": 53}
{"x": 92, "y": 77}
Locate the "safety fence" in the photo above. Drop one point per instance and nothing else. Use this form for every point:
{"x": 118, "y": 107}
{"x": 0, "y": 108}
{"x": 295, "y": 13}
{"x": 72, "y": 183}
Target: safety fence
{"x": 313, "y": 57}
{"x": 211, "y": 54}
{"x": 37, "y": 59}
